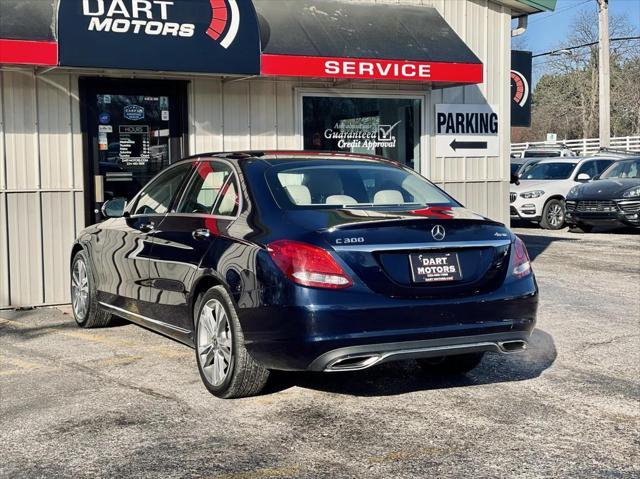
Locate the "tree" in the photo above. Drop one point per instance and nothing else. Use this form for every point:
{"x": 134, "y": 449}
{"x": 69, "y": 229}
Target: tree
{"x": 565, "y": 99}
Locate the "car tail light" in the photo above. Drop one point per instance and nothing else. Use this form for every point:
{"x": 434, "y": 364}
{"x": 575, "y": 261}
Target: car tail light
{"x": 308, "y": 265}
{"x": 521, "y": 263}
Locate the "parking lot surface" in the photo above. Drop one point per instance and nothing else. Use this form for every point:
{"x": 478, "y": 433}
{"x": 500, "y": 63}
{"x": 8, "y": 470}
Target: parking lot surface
{"x": 125, "y": 402}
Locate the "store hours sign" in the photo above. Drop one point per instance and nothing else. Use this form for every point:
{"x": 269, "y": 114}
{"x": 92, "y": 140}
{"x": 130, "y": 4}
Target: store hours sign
{"x": 467, "y": 130}
{"x": 208, "y": 36}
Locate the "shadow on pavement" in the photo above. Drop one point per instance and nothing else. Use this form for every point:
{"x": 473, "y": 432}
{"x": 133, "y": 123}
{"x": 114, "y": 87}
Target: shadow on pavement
{"x": 537, "y": 244}
{"x": 404, "y": 377}
{"x": 29, "y": 324}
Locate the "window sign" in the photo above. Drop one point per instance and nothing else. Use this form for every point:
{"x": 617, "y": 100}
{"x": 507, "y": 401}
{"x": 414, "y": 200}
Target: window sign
{"x": 389, "y": 127}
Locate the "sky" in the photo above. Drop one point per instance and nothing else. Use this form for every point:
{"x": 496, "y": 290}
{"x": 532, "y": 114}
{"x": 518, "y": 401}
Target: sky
{"x": 546, "y": 31}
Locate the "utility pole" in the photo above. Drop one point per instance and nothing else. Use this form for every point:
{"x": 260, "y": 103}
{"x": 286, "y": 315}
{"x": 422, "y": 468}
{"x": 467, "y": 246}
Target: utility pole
{"x": 604, "y": 74}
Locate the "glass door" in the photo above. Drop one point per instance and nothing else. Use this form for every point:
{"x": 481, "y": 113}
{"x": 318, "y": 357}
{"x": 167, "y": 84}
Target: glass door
{"x": 134, "y": 130}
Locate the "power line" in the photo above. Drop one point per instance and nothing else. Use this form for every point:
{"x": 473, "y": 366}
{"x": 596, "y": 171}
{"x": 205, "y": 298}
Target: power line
{"x": 540, "y": 18}
{"x": 552, "y": 52}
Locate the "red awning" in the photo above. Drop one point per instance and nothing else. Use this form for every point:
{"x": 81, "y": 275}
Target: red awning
{"x": 336, "y": 39}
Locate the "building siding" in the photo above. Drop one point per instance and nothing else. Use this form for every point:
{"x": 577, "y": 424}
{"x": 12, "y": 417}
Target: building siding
{"x": 42, "y": 177}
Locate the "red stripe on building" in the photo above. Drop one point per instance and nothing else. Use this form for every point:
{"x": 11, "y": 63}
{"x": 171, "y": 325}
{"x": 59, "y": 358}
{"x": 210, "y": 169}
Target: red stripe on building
{"x": 26, "y": 52}
{"x": 370, "y": 69}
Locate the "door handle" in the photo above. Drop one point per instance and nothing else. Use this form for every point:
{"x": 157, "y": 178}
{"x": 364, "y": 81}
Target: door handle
{"x": 201, "y": 233}
{"x": 147, "y": 227}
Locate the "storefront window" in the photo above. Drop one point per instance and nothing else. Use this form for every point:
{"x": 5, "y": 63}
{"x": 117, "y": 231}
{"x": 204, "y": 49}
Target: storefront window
{"x": 389, "y": 127}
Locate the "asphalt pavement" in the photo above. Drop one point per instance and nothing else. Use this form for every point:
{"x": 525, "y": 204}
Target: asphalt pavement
{"x": 125, "y": 402}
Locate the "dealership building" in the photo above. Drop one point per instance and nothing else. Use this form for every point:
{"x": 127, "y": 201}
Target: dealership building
{"x": 97, "y": 96}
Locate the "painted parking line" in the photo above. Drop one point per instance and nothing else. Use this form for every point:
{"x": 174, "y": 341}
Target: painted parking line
{"x": 286, "y": 471}
{"x": 12, "y": 365}
{"x": 92, "y": 336}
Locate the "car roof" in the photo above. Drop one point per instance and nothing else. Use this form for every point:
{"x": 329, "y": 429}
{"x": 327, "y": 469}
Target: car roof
{"x": 288, "y": 155}
{"x": 564, "y": 159}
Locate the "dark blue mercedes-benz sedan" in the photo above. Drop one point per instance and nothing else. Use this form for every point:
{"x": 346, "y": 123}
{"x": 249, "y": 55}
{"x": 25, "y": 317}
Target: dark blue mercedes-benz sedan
{"x": 305, "y": 261}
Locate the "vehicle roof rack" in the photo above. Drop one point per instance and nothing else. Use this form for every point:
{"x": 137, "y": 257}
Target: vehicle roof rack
{"x": 618, "y": 151}
{"x": 548, "y": 146}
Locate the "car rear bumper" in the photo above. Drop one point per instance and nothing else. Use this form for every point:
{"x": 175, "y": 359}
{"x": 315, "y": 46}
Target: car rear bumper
{"x": 380, "y": 329}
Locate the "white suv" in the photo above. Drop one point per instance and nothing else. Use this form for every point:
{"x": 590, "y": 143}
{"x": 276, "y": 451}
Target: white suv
{"x": 541, "y": 191}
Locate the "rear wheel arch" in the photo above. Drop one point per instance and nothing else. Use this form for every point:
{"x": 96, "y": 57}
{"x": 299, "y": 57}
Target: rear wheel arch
{"x": 201, "y": 286}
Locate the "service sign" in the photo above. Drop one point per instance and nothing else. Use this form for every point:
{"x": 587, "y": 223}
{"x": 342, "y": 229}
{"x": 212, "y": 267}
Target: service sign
{"x": 208, "y": 36}
{"x": 521, "y": 88}
{"x": 467, "y": 130}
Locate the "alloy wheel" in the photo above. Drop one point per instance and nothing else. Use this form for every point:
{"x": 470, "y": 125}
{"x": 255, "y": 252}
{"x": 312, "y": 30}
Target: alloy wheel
{"x": 80, "y": 289}
{"x": 555, "y": 215}
{"x": 214, "y": 342}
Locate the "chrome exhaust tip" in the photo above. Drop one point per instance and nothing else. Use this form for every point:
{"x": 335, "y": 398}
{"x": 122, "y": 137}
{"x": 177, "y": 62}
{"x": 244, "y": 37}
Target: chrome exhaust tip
{"x": 353, "y": 363}
{"x": 512, "y": 346}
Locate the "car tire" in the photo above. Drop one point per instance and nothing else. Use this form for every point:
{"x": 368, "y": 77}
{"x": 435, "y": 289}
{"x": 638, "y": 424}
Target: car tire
{"x": 451, "y": 365}
{"x": 84, "y": 302}
{"x": 581, "y": 228}
{"x": 225, "y": 366}
{"x": 553, "y": 215}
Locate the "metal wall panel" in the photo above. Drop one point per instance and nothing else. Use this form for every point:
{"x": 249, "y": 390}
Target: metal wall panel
{"x": 76, "y": 134}
{"x": 21, "y": 141}
{"x": 54, "y": 125}
{"x": 4, "y": 253}
{"x": 25, "y": 248}
{"x": 58, "y": 223}
{"x": 206, "y": 114}
{"x": 236, "y": 126}
{"x": 285, "y": 111}
{"x": 263, "y": 123}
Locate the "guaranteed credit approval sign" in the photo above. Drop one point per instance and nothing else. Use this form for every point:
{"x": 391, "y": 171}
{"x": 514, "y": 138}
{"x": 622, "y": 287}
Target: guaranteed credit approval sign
{"x": 467, "y": 130}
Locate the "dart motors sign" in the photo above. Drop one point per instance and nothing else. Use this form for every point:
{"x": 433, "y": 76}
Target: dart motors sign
{"x": 204, "y": 36}
{"x": 467, "y": 130}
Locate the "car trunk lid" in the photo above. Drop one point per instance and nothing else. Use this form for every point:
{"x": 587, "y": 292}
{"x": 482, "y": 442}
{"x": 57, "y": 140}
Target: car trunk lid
{"x": 387, "y": 249}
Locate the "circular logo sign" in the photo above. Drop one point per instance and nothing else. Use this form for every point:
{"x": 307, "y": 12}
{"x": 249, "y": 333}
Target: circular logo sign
{"x": 104, "y": 118}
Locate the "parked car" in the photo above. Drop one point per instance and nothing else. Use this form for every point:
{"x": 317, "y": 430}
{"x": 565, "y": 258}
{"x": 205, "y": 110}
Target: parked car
{"x": 521, "y": 166}
{"x": 305, "y": 261}
{"x": 612, "y": 200}
{"x": 542, "y": 189}
{"x": 548, "y": 151}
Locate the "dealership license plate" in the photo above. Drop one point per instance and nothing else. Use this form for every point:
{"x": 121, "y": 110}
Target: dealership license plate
{"x": 435, "y": 267}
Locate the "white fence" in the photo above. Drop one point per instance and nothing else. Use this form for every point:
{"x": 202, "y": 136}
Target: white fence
{"x": 586, "y": 146}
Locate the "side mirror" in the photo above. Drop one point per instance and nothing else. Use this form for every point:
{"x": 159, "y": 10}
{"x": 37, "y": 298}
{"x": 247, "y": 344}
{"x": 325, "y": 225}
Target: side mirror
{"x": 583, "y": 178}
{"x": 515, "y": 179}
{"x": 114, "y": 208}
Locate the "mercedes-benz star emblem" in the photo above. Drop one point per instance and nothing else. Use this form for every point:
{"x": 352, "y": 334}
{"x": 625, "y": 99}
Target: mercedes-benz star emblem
{"x": 438, "y": 232}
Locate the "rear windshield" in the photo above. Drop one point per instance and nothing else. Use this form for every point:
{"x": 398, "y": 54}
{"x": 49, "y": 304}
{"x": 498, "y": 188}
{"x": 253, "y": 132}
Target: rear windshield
{"x": 352, "y": 185}
{"x": 623, "y": 169}
{"x": 549, "y": 171}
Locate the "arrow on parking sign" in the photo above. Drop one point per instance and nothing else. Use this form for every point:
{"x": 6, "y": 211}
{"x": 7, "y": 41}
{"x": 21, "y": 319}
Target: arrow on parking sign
{"x": 468, "y": 145}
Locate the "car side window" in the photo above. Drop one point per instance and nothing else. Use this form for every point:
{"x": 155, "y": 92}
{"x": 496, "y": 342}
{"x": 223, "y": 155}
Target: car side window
{"x": 588, "y": 167}
{"x": 602, "y": 165}
{"x": 211, "y": 190}
{"x": 156, "y": 197}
